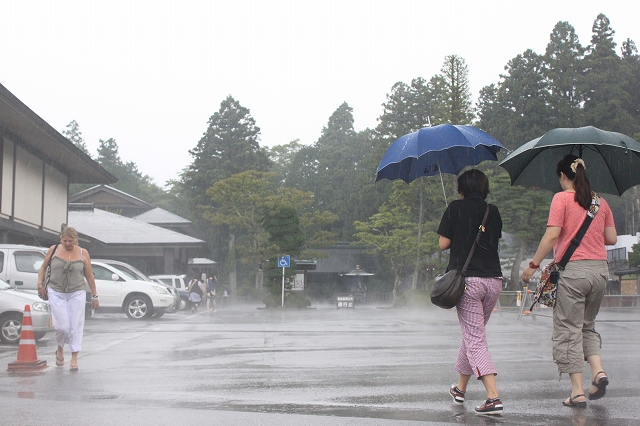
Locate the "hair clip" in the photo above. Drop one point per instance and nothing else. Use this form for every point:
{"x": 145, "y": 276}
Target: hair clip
{"x": 574, "y": 165}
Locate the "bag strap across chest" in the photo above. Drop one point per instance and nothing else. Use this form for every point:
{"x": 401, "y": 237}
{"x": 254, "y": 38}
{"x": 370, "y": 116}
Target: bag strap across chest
{"x": 481, "y": 230}
{"x": 575, "y": 241}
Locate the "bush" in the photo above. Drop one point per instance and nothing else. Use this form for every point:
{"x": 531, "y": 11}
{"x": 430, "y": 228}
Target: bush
{"x": 413, "y": 298}
{"x": 291, "y": 300}
{"x": 247, "y": 292}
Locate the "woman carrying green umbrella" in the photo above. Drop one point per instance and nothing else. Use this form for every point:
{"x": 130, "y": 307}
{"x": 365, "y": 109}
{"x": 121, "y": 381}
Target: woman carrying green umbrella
{"x": 582, "y": 283}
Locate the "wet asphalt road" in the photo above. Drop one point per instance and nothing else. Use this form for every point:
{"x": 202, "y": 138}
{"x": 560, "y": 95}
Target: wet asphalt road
{"x": 322, "y": 366}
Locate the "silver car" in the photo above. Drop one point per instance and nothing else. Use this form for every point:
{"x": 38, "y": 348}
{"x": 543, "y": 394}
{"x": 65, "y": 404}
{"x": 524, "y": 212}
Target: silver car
{"x": 12, "y": 303}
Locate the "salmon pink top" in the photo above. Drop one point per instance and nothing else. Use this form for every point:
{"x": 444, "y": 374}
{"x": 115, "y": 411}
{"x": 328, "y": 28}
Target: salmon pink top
{"x": 566, "y": 213}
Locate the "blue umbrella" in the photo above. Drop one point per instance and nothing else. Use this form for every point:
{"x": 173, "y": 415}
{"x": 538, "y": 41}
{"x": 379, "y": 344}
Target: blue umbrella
{"x": 445, "y": 148}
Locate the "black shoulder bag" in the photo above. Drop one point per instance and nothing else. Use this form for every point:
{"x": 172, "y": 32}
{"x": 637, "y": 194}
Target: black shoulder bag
{"x": 448, "y": 288}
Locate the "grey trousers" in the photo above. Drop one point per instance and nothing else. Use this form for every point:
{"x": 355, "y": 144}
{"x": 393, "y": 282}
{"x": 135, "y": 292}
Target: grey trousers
{"x": 580, "y": 292}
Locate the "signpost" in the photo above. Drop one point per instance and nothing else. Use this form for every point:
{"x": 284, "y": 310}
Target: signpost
{"x": 345, "y": 300}
{"x": 284, "y": 262}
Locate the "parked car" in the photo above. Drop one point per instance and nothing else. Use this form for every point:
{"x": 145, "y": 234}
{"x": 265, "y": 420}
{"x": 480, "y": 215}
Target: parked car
{"x": 132, "y": 270}
{"x": 138, "y": 275}
{"x": 12, "y": 305}
{"x": 19, "y": 265}
{"x": 120, "y": 291}
{"x": 179, "y": 283}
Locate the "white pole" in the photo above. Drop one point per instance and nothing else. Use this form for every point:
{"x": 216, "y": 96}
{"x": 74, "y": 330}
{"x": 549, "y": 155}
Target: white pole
{"x": 442, "y": 182}
{"x": 283, "y": 286}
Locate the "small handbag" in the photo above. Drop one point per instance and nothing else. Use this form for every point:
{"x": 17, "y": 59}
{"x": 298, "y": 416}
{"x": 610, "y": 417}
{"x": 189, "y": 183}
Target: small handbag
{"x": 449, "y": 287}
{"x": 547, "y": 288}
{"x": 47, "y": 277}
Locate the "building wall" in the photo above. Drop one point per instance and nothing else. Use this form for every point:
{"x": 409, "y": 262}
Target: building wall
{"x": 33, "y": 193}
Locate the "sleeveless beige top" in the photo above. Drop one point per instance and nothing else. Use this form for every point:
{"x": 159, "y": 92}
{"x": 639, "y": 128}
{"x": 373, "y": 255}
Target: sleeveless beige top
{"x": 67, "y": 276}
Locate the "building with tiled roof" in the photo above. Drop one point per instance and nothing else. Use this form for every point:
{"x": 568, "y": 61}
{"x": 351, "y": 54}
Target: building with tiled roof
{"x": 150, "y": 248}
{"x": 37, "y": 164}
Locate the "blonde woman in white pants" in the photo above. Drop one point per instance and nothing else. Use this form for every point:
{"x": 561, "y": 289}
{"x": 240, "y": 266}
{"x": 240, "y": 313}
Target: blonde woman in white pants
{"x": 70, "y": 266}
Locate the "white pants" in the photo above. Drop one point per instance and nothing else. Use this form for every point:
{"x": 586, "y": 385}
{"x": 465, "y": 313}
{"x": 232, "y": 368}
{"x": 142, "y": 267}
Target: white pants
{"x": 67, "y": 313}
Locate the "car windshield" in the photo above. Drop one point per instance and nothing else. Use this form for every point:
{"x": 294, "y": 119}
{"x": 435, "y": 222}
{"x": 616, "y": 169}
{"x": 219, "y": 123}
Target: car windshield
{"x": 4, "y": 285}
{"x": 123, "y": 272}
{"x": 133, "y": 271}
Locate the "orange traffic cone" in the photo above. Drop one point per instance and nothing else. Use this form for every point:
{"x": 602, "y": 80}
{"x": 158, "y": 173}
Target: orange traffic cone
{"x": 27, "y": 356}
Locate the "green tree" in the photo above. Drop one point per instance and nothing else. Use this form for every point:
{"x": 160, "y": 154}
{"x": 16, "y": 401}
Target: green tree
{"x": 130, "y": 180}
{"x": 244, "y": 203}
{"x": 452, "y": 85}
{"x": 564, "y": 73}
{"x": 631, "y": 85}
{"x": 520, "y": 110}
{"x": 524, "y": 213}
{"x": 240, "y": 205}
{"x": 330, "y": 170}
{"x": 393, "y": 230}
{"x": 108, "y": 155}
{"x": 490, "y": 111}
{"x": 604, "y": 95}
{"x": 408, "y": 108}
{"x": 282, "y": 223}
{"x": 282, "y": 158}
{"x": 634, "y": 256}
{"x": 229, "y": 146}
{"x": 74, "y": 134}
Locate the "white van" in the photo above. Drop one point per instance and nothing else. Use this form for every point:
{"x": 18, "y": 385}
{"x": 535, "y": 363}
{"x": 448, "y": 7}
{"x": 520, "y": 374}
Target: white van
{"x": 179, "y": 283}
{"x": 19, "y": 265}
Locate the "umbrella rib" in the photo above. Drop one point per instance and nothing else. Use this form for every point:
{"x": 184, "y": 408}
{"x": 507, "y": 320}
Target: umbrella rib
{"x": 537, "y": 151}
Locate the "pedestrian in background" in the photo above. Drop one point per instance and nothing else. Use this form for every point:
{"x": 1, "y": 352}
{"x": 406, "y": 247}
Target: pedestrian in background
{"x": 582, "y": 284}
{"x": 211, "y": 293}
{"x": 196, "y": 291}
{"x": 70, "y": 266}
{"x": 458, "y": 229}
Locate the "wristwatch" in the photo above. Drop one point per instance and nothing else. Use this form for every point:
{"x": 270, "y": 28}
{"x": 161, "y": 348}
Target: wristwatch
{"x": 94, "y": 297}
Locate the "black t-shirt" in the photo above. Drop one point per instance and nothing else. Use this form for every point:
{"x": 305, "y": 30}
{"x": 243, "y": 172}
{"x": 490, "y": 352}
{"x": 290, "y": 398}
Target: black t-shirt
{"x": 460, "y": 223}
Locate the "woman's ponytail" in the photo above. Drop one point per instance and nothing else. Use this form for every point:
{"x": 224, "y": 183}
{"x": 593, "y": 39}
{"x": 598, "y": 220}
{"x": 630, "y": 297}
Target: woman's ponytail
{"x": 575, "y": 170}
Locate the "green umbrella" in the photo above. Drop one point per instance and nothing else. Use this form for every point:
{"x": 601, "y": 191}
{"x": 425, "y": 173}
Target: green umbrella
{"x": 612, "y": 159}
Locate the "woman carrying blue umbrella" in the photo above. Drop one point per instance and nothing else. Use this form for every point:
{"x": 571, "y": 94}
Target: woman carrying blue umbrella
{"x": 582, "y": 283}
{"x": 457, "y": 230}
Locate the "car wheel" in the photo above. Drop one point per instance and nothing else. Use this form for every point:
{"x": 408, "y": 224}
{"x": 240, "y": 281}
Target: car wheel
{"x": 10, "y": 327}
{"x": 39, "y": 334}
{"x": 138, "y": 307}
{"x": 158, "y": 314}
{"x": 183, "y": 305}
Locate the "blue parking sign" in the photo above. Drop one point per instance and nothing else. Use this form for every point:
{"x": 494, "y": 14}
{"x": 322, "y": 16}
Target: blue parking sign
{"x": 284, "y": 261}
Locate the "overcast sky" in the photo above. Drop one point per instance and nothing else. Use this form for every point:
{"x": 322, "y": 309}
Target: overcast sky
{"x": 150, "y": 73}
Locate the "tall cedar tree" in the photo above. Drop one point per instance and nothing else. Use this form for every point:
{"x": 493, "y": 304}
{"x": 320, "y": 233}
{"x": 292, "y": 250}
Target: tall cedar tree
{"x": 603, "y": 83}
{"x": 454, "y": 106}
{"x": 229, "y": 146}
{"x": 130, "y": 180}
{"x": 74, "y": 134}
{"x": 564, "y": 72}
